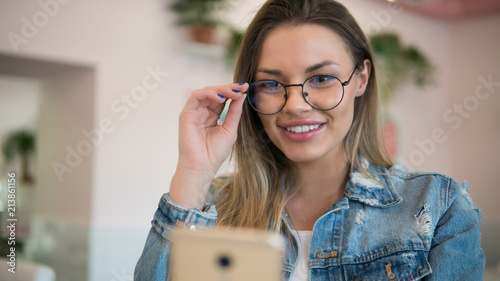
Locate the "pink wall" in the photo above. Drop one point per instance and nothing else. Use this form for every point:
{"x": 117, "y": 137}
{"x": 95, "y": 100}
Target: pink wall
{"x": 474, "y": 115}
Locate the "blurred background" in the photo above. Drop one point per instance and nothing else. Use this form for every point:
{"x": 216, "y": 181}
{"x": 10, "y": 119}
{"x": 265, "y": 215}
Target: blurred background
{"x": 90, "y": 93}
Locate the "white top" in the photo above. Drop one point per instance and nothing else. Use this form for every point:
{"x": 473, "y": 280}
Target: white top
{"x": 301, "y": 272}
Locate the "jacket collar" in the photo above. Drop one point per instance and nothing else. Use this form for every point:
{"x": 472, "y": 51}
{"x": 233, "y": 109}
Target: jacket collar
{"x": 377, "y": 191}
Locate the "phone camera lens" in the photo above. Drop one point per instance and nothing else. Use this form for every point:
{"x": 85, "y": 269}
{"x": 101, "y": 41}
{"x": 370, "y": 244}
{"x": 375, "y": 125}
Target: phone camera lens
{"x": 224, "y": 261}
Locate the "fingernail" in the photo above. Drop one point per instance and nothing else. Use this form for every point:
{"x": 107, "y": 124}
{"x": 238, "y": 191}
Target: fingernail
{"x": 236, "y": 91}
{"x": 241, "y": 83}
{"x": 221, "y": 96}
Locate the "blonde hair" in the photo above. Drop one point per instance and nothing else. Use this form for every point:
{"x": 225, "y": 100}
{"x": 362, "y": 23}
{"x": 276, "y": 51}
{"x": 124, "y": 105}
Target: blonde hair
{"x": 256, "y": 194}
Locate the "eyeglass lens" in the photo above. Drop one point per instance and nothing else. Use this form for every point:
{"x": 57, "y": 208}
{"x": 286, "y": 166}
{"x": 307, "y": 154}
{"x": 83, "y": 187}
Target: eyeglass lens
{"x": 322, "y": 92}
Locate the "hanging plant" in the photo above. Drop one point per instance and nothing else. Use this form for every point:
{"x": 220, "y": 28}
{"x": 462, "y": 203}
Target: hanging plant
{"x": 20, "y": 144}
{"x": 233, "y": 47}
{"x": 397, "y": 64}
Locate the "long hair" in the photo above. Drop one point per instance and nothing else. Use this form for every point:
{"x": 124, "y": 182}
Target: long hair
{"x": 256, "y": 194}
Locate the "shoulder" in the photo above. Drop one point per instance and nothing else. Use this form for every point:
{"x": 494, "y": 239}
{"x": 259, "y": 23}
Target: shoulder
{"x": 403, "y": 178}
{"x": 433, "y": 198}
{"x": 429, "y": 187}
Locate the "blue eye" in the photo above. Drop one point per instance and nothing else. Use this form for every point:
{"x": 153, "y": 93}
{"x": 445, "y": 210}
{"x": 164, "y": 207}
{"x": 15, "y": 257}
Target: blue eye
{"x": 320, "y": 81}
{"x": 266, "y": 86}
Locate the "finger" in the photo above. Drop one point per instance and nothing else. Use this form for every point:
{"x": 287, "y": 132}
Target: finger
{"x": 231, "y": 91}
{"x": 203, "y": 98}
{"x": 225, "y": 93}
{"x": 241, "y": 87}
{"x": 236, "y": 88}
{"x": 214, "y": 97}
{"x": 234, "y": 114}
{"x": 218, "y": 110}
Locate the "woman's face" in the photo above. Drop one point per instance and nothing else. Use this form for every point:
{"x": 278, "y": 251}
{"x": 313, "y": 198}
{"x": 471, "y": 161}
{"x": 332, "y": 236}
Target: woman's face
{"x": 290, "y": 55}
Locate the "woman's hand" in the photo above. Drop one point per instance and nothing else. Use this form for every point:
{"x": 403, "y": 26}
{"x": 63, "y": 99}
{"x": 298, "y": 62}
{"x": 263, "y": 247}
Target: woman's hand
{"x": 204, "y": 145}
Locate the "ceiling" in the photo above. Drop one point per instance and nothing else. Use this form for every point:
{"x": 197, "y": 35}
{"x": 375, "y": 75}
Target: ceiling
{"x": 451, "y": 9}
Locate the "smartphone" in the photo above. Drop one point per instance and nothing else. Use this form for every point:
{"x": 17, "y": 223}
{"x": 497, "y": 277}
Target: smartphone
{"x": 226, "y": 255}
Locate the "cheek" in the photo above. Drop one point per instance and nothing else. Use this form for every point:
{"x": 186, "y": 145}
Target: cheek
{"x": 343, "y": 115}
{"x": 265, "y": 120}
{"x": 268, "y": 124}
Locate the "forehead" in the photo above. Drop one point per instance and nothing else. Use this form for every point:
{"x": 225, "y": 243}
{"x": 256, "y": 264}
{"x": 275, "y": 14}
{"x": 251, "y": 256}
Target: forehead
{"x": 299, "y": 46}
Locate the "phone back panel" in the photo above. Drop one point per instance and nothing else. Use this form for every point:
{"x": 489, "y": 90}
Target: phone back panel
{"x": 226, "y": 255}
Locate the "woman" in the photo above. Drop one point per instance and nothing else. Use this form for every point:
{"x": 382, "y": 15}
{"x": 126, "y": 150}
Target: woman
{"x": 310, "y": 163}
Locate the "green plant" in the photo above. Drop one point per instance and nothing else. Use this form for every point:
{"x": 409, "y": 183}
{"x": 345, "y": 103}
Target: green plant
{"x": 20, "y": 143}
{"x": 198, "y": 12}
{"x": 234, "y": 43}
{"x": 397, "y": 64}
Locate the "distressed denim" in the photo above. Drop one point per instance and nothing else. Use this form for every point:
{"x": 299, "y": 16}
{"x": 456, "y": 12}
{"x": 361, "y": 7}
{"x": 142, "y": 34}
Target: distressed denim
{"x": 403, "y": 226}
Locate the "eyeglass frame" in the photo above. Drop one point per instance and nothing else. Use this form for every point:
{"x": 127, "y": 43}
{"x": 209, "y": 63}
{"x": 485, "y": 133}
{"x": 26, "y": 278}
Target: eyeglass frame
{"x": 304, "y": 94}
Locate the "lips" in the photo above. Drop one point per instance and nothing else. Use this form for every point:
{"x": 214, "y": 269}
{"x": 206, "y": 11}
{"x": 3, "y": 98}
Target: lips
{"x": 301, "y": 130}
{"x": 299, "y": 126}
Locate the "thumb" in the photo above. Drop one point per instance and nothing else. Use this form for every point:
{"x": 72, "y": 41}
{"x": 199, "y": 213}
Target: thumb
{"x": 234, "y": 114}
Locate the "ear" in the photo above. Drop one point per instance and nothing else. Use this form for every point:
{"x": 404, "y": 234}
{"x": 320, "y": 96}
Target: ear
{"x": 363, "y": 78}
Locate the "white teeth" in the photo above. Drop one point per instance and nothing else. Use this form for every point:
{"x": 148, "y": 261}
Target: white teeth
{"x": 302, "y": 129}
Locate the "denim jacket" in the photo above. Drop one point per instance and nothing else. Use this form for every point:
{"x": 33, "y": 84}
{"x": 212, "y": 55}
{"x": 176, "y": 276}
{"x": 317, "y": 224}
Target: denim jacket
{"x": 406, "y": 226}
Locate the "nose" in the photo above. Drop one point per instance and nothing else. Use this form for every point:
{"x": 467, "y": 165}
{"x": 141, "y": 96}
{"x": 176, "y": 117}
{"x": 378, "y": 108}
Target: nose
{"x": 295, "y": 102}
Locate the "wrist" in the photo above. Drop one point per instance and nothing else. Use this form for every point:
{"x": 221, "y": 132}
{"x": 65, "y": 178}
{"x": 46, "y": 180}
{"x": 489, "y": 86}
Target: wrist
{"x": 189, "y": 189}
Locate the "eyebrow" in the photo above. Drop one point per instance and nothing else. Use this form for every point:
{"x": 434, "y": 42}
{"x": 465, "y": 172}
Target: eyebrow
{"x": 309, "y": 69}
{"x": 320, "y": 65}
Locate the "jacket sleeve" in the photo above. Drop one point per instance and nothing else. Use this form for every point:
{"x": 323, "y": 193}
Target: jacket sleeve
{"x": 456, "y": 252}
{"x": 154, "y": 261}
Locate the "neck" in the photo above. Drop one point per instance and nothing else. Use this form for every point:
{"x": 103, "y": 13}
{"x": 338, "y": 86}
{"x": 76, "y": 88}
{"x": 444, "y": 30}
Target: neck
{"x": 321, "y": 184}
{"x": 324, "y": 176}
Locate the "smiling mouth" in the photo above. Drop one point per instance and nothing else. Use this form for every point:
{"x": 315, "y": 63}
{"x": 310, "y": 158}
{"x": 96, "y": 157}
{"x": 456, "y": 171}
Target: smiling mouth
{"x": 302, "y": 129}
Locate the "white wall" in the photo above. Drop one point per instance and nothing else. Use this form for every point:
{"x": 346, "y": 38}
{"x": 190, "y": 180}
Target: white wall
{"x": 132, "y": 165}
{"x": 58, "y": 210}
{"x": 18, "y": 105}
{"x": 18, "y": 110}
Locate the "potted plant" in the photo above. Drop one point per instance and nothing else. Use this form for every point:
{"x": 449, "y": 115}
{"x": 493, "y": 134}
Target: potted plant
{"x": 202, "y": 16}
{"x": 20, "y": 144}
{"x": 397, "y": 64}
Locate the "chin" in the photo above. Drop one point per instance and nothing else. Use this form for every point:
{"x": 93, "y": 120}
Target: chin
{"x": 302, "y": 156}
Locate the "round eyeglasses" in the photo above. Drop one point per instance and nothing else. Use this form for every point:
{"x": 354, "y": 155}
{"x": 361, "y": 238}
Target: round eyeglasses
{"x": 322, "y": 92}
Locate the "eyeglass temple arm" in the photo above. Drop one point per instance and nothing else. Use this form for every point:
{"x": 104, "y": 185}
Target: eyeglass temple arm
{"x": 349, "y": 80}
